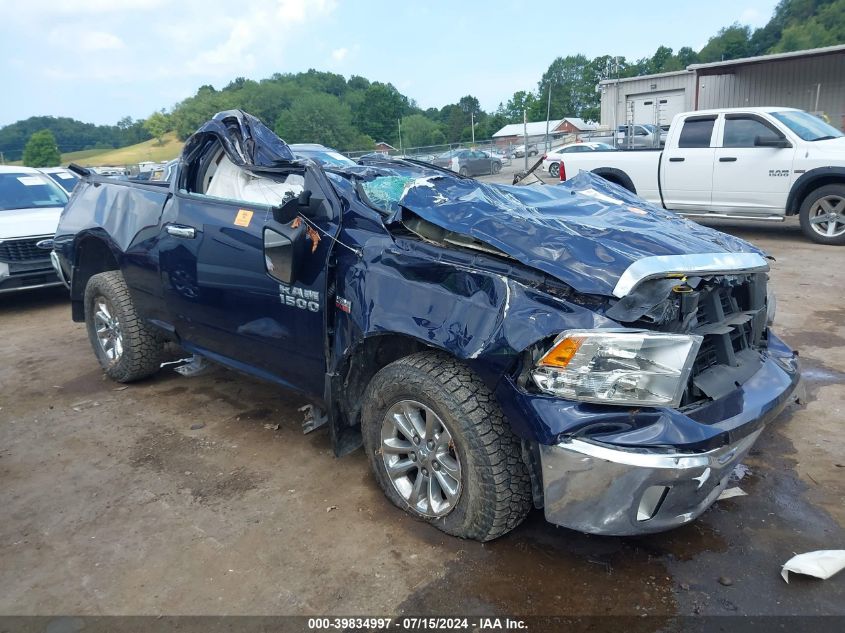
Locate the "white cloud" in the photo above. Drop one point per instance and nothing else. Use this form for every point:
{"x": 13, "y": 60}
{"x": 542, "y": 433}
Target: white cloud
{"x": 99, "y": 41}
{"x": 259, "y": 30}
{"x": 339, "y": 54}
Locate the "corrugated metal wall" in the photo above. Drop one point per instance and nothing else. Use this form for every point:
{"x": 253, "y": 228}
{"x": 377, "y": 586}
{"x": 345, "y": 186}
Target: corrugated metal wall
{"x": 792, "y": 83}
{"x": 614, "y": 94}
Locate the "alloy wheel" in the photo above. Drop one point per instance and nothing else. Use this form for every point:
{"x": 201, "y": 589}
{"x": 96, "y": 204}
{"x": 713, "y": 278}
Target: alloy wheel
{"x": 827, "y": 216}
{"x": 420, "y": 458}
{"x": 107, "y": 326}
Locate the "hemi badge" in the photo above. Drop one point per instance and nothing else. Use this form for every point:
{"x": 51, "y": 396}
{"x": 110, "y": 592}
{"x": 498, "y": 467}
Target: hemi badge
{"x": 342, "y": 304}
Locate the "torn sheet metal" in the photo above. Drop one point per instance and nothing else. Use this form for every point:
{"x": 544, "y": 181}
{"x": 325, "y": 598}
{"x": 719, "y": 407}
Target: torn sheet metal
{"x": 585, "y": 232}
{"x": 247, "y": 141}
{"x": 822, "y": 564}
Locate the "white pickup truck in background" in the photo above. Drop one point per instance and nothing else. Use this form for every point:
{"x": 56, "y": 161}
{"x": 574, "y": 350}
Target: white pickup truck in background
{"x": 745, "y": 163}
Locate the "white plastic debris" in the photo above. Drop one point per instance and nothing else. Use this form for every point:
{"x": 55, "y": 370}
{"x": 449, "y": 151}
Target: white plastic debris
{"x": 740, "y": 471}
{"x": 729, "y": 493}
{"x": 822, "y": 563}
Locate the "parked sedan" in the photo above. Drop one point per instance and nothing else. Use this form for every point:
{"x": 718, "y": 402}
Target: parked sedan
{"x": 65, "y": 178}
{"x": 551, "y": 161}
{"x": 519, "y": 151}
{"x": 469, "y": 162}
{"x": 325, "y": 156}
{"x": 30, "y": 205}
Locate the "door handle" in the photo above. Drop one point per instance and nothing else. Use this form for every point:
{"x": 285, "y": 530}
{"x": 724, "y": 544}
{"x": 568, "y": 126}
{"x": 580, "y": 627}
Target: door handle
{"x": 727, "y": 159}
{"x": 176, "y": 230}
{"x": 676, "y": 159}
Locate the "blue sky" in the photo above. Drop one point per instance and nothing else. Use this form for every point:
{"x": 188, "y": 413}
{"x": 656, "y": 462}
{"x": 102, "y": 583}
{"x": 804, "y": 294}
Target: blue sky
{"x": 99, "y": 60}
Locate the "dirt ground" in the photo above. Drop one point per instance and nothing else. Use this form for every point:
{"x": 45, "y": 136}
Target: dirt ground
{"x": 202, "y": 496}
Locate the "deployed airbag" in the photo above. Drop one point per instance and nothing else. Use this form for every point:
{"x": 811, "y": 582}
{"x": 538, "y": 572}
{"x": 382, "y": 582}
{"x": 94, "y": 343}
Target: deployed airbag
{"x": 235, "y": 183}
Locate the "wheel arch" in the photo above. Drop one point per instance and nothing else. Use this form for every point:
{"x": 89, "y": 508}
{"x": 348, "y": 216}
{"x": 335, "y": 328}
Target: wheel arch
{"x": 808, "y": 182}
{"x": 358, "y": 367}
{"x": 617, "y": 177}
{"x": 93, "y": 253}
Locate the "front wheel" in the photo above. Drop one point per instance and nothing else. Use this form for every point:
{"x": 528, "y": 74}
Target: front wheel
{"x": 822, "y": 215}
{"x": 497, "y": 167}
{"x": 441, "y": 449}
{"x": 554, "y": 170}
{"x": 126, "y": 347}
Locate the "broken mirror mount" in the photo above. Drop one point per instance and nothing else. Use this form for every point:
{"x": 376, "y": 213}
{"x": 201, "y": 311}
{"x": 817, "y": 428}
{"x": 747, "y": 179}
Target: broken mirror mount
{"x": 286, "y": 212}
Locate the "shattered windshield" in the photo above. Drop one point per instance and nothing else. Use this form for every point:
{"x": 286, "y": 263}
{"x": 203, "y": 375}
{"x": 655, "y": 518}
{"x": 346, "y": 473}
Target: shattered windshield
{"x": 382, "y": 186}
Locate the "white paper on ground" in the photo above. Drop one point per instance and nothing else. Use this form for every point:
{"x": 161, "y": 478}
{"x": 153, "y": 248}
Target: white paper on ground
{"x": 822, "y": 564}
{"x": 727, "y": 493}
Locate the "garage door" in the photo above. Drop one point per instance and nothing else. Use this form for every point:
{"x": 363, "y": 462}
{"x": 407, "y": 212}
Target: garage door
{"x": 656, "y": 108}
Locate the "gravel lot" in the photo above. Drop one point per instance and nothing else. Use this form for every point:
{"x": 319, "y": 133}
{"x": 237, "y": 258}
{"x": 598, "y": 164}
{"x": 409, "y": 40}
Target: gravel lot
{"x": 201, "y": 496}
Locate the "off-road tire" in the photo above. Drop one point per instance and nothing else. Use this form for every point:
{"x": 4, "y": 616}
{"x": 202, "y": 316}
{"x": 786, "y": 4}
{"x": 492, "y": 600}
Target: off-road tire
{"x": 496, "y": 486}
{"x": 807, "y": 205}
{"x": 142, "y": 347}
{"x": 554, "y": 170}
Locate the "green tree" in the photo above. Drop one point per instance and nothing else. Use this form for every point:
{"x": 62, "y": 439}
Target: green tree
{"x": 318, "y": 117}
{"x": 802, "y": 28}
{"x": 661, "y": 58}
{"x": 41, "y": 150}
{"x": 418, "y": 130}
{"x": 469, "y": 104}
{"x": 521, "y": 100}
{"x": 686, "y": 56}
{"x": 157, "y": 124}
{"x": 377, "y": 114}
{"x": 732, "y": 42}
{"x": 573, "y": 85}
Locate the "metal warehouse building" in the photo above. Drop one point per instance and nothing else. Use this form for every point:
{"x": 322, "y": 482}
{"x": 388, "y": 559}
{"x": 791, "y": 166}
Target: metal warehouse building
{"x": 813, "y": 80}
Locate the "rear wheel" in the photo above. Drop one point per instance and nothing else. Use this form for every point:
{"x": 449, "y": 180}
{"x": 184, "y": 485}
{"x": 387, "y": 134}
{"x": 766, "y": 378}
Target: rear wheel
{"x": 822, "y": 215}
{"x": 441, "y": 449}
{"x": 554, "y": 170}
{"x": 464, "y": 171}
{"x": 126, "y": 347}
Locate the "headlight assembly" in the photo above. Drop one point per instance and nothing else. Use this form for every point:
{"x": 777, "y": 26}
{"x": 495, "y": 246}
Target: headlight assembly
{"x": 627, "y": 367}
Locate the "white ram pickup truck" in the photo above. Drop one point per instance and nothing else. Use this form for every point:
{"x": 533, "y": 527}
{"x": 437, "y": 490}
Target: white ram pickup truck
{"x": 745, "y": 163}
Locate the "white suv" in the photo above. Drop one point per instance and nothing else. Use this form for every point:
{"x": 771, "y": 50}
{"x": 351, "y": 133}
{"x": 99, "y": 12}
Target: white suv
{"x": 30, "y": 205}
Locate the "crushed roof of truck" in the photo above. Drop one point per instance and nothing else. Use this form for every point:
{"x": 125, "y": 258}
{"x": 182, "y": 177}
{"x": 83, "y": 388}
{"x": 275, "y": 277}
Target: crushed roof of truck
{"x": 585, "y": 231}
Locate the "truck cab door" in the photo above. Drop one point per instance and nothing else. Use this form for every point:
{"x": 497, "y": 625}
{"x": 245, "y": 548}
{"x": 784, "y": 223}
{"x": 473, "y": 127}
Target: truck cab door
{"x": 246, "y": 289}
{"x": 687, "y": 167}
{"x": 753, "y": 169}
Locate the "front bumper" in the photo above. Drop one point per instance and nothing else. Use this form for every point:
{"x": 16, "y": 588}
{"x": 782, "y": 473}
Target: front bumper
{"x": 601, "y": 490}
{"x": 27, "y": 276}
{"x": 598, "y": 488}
{"x": 620, "y": 471}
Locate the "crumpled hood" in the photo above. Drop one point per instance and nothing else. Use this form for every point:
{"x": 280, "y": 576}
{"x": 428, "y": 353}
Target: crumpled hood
{"x": 29, "y": 222}
{"x": 585, "y": 232}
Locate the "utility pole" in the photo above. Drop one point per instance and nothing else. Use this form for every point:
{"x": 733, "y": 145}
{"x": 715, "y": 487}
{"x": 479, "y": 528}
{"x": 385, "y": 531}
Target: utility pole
{"x": 525, "y": 137}
{"x": 548, "y": 112}
{"x": 472, "y": 126}
{"x": 2, "y": 159}
{"x": 401, "y": 151}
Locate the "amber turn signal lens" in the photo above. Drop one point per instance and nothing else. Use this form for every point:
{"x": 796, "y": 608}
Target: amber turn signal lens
{"x": 560, "y": 355}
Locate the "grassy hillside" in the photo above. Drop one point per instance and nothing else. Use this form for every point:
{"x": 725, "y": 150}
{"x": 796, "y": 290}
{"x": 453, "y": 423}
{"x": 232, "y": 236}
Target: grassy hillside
{"x": 148, "y": 150}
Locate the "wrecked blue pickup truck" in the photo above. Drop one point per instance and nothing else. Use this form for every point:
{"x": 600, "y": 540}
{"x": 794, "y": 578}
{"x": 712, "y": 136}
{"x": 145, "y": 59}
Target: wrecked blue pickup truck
{"x": 494, "y": 348}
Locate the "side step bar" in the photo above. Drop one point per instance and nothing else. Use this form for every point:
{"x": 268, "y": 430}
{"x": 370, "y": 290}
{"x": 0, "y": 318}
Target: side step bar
{"x": 731, "y": 216}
